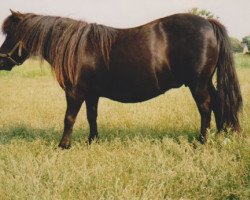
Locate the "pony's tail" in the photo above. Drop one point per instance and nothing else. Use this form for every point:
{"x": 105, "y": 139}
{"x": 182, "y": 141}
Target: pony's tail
{"x": 228, "y": 88}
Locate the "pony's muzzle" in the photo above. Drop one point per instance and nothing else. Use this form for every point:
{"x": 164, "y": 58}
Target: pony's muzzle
{"x": 5, "y": 65}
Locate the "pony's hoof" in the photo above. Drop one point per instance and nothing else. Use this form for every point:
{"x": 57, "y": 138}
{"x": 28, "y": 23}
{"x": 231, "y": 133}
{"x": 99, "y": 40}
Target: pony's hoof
{"x": 89, "y": 141}
{"x": 202, "y": 139}
{"x": 92, "y": 140}
{"x": 64, "y": 146}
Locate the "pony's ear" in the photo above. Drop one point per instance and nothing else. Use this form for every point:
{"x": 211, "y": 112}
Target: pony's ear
{"x": 17, "y": 15}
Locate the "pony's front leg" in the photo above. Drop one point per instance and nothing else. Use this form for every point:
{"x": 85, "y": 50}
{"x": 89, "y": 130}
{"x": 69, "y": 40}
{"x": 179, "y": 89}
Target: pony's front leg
{"x": 73, "y": 106}
{"x": 91, "y": 105}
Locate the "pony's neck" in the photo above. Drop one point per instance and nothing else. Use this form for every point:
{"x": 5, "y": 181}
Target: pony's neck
{"x": 46, "y": 36}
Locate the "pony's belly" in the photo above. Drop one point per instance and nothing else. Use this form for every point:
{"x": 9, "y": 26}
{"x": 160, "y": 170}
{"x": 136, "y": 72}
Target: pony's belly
{"x": 132, "y": 95}
{"x": 130, "y": 99}
{"x": 132, "y": 92}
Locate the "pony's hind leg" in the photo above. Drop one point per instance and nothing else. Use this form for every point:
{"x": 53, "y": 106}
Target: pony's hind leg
{"x": 73, "y": 106}
{"x": 91, "y": 106}
{"x": 215, "y": 106}
{"x": 203, "y": 101}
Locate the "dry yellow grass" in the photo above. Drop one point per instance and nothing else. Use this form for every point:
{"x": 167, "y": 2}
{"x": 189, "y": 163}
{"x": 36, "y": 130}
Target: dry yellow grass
{"x": 147, "y": 150}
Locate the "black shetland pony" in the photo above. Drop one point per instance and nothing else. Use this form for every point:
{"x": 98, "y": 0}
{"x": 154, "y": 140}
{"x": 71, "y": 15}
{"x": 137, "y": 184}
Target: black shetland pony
{"x": 129, "y": 65}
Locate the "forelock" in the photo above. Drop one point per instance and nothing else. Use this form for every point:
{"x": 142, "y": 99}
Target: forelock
{"x": 10, "y": 24}
{"x": 7, "y": 24}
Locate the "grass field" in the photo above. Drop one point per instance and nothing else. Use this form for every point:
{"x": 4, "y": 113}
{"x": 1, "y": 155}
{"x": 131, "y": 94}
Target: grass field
{"x": 146, "y": 151}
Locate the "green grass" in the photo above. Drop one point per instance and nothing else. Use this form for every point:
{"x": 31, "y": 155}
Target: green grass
{"x": 146, "y": 151}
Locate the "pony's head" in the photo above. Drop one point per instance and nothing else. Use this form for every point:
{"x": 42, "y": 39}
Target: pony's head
{"x": 12, "y": 51}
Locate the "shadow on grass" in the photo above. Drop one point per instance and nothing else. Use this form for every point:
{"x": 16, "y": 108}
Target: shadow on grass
{"x": 28, "y": 134}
